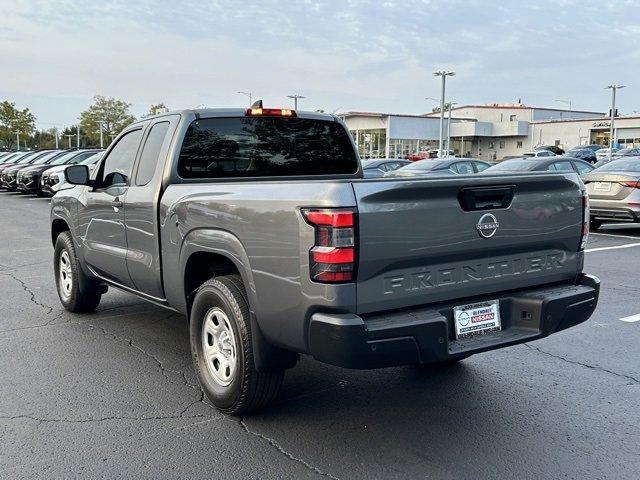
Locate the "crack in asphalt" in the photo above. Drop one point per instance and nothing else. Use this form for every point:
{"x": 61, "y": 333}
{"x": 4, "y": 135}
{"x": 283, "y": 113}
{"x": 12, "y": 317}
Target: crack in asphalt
{"x": 33, "y": 300}
{"x": 105, "y": 419}
{"x": 281, "y": 450}
{"x": 162, "y": 367}
{"x": 586, "y": 365}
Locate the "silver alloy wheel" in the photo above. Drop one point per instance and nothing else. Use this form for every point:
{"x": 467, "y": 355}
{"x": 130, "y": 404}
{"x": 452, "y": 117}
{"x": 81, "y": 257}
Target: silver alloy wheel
{"x": 66, "y": 275}
{"x": 219, "y": 346}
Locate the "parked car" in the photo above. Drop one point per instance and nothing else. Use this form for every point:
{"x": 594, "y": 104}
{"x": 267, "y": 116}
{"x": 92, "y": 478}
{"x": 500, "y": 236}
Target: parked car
{"x": 11, "y": 160}
{"x": 614, "y": 192}
{"x": 13, "y": 175}
{"x": 593, "y": 147}
{"x": 586, "y": 154}
{"x": 377, "y": 168}
{"x": 539, "y": 153}
{"x": 7, "y": 173}
{"x": 627, "y": 152}
{"x": 551, "y": 148}
{"x": 28, "y": 179}
{"x": 53, "y": 179}
{"x": 441, "y": 166}
{"x": 553, "y": 164}
{"x": 269, "y": 259}
{"x": 604, "y": 153}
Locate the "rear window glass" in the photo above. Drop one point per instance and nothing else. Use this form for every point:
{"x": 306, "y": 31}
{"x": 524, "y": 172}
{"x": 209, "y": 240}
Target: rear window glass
{"x": 621, "y": 166}
{"x": 261, "y": 147}
{"x": 423, "y": 165}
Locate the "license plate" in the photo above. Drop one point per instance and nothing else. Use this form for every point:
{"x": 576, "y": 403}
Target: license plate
{"x": 602, "y": 186}
{"x": 477, "y": 318}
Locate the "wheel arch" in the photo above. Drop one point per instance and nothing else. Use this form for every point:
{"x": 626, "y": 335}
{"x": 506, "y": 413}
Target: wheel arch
{"x": 207, "y": 253}
{"x": 58, "y": 225}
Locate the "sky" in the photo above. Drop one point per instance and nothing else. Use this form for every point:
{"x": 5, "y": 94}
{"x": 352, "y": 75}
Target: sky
{"x": 347, "y": 55}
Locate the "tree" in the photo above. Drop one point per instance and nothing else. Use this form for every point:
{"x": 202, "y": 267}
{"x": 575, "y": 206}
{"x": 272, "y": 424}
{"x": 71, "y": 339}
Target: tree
{"x": 113, "y": 114}
{"x": 156, "y": 109}
{"x": 13, "y": 120}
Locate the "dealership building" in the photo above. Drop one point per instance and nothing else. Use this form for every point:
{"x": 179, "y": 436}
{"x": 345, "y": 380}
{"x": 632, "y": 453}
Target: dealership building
{"x": 487, "y": 132}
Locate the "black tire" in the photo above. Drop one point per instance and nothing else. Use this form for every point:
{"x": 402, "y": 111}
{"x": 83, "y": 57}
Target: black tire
{"x": 248, "y": 390}
{"x": 83, "y": 294}
{"x": 595, "y": 224}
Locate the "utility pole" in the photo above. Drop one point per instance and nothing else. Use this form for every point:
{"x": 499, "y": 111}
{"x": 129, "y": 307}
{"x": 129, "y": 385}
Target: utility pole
{"x": 18, "y": 141}
{"x": 78, "y": 140}
{"x": 55, "y": 130}
{"x": 249, "y": 95}
{"x": 69, "y": 138}
{"x": 613, "y": 88}
{"x": 444, "y": 74}
{"x": 295, "y": 98}
{"x": 451, "y": 104}
{"x": 99, "y": 122}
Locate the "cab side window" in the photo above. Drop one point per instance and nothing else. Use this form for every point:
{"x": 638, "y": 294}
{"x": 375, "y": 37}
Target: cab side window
{"x": 151, "y": 152}
{"x": 563, "y": 167}
{"x": 117, "y": 166}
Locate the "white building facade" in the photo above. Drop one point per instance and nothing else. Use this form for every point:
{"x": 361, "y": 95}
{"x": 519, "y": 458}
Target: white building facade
{"x": 488, "y": 132}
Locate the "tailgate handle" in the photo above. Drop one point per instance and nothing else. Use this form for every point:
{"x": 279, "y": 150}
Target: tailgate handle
{"x": 485, "y": 198}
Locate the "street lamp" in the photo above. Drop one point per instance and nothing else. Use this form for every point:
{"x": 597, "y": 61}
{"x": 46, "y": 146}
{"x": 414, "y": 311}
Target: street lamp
{"x": 444, "y": 74}
{"x": 451, "y": 104}
{"x": 295, "y": 98}
{"x": 613, "y": 88}
{"x": 248, "y": 95}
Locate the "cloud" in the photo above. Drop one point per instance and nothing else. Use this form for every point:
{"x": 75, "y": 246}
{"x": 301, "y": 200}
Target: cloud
{"x": 349, "y": 54}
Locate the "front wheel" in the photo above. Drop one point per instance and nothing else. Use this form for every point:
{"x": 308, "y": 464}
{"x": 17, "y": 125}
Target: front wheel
{"x": 221, "y": 348}
{"x": 76, "y": 292}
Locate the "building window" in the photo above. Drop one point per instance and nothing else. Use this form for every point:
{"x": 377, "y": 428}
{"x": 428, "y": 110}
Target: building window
{"x": 519, "y": 144}
{"x": 491, "y": 145}
{"x": 512, "y": 118}
{"x": 501, "y": 143}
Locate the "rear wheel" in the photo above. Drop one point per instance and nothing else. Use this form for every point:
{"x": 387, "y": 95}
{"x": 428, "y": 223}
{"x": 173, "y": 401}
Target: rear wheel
{"x": 220, "y": 332}
{"x": 77, "y": 293}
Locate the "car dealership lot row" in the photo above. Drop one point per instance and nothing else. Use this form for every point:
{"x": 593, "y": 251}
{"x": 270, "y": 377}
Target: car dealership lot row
{"x": 115, "y": 392}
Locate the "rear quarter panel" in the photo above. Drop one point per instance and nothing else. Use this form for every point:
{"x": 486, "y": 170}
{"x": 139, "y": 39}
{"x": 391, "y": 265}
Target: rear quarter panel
{"x": 257, "y": 225}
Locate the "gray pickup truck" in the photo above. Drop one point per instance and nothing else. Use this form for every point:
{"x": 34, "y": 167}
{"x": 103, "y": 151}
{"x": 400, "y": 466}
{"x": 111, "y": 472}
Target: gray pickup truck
{"x": 259, "y": 226}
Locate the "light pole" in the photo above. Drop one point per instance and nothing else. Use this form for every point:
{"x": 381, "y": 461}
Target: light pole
{"x": 55, "y": 130}
{"x": 566, "y": 102}
{"x": 18, "y": 141}
{"x": 444, "y": 74}
{"x": 451, "y": 104}
{"x": 613, "y": 88}
{"x": 99, "y": 122}
{"x": 69, "y": 138}
{"x": 248, "y": 95}
{"x": 295, "y": 98}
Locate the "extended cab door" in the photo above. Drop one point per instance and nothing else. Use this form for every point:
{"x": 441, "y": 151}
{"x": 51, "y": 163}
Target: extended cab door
{"x": 141, "y": 208}
{"x": 101, "y": 214}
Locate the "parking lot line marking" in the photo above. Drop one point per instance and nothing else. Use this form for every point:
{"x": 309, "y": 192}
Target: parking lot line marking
{"x": 615, "y": 236}
{"x": 600, "y": 249}
{"x": 631, "y": 318}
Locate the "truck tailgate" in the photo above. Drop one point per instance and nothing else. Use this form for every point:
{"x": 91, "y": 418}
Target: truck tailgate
{"x": 438, "y": 239}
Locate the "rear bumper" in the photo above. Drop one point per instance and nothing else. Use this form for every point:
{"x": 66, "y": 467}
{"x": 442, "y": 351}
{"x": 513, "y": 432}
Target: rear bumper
{"x": 426, "y": 335}
{"x": 618, "y": 214}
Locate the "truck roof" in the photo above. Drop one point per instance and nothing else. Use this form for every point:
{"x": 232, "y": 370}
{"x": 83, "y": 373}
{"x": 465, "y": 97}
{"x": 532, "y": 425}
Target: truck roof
{"x": 236, "y": 112}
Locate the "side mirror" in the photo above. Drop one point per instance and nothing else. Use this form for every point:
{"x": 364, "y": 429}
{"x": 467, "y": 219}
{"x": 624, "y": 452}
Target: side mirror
{"x": 77, "y": 175}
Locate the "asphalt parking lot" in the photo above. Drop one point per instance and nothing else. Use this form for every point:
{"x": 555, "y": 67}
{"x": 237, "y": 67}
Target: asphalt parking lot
{"x": 113, "y": 394}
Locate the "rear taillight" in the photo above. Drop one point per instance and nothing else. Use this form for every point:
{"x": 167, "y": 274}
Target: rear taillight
{"x": 585, "y": 221}
{"x": 632, "y": 184}
{"x": 333, "y": 256}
